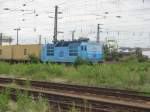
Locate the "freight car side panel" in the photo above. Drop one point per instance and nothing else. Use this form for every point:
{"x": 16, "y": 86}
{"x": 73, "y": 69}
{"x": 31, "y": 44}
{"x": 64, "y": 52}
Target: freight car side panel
{"x": 22, "y": 52}
{"x": 5, "y": 52}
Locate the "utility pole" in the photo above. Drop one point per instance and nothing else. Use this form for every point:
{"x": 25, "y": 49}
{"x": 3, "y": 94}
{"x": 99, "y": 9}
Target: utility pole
{"x": 143, "y": 1}
{"x": 45, "y": 41}
{"x": 40, "y": 39}
{"x": 55, "y": 24}
{"x": 73, "y": 32}
{"x": 1, "y": 38}
{"x": 17, "y": 29}
{"x": 98, "y": 32}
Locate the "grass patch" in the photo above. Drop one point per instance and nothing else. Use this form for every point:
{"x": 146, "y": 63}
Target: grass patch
{"x": 25, "y": 103}
{"x": 125, "y": 75}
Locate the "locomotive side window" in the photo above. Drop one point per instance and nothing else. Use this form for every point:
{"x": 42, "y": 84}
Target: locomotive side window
{"x": 50, "y": 51}
{"x": 73, "y": 51}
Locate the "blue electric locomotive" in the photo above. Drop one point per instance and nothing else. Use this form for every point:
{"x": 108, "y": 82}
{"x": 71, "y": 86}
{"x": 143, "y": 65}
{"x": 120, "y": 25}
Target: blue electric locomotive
{"x": 68, "y": 51}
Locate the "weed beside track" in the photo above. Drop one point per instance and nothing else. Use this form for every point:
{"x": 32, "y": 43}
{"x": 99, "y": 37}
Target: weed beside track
{"x": 124, "y": 75}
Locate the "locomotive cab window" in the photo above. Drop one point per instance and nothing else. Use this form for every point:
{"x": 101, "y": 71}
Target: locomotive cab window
{"x": 50, "y": 51}
{"x": 73, "y": 51}
{"x": 83, "y": 48}
{"x": 25, "y": 51}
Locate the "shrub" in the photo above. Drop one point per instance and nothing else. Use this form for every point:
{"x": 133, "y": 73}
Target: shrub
{"x": 143, "y": 59}
{"x": 138, "y": 52}
{"x": 4, "y": 101}
{"x": 140, "y": 56}
{"x": 111, "y": 55}
{"x": 80, "y": 61}
{"x": 33, "y": 59}
{"x": 106, "y": 53}
{"x": 25, "y": 103}
{"x": 54, "y": 69}
{"x": 115, "y": 56}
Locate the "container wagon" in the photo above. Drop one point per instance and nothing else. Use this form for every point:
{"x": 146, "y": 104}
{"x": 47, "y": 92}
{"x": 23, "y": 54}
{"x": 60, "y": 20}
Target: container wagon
{"x": 19, "y": 52}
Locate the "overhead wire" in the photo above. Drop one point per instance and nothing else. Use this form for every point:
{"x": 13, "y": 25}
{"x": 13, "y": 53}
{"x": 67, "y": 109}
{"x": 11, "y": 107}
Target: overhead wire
{"x": 83, "y": 6}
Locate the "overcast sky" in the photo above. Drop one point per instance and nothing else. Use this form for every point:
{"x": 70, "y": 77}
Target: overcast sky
{"x": 128, "y": 21}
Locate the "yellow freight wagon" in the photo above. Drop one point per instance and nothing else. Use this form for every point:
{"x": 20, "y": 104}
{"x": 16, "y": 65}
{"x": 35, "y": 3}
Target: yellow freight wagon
{"x": 19, "y": 52}
{"x": 22, "y": 52}
{"x": 5, "y": 52}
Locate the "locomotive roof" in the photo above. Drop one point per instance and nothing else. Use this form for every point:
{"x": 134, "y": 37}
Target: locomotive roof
{"x": 63, "y": 43}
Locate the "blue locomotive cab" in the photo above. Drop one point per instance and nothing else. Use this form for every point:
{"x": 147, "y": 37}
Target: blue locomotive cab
{"x": 92, "y": 51}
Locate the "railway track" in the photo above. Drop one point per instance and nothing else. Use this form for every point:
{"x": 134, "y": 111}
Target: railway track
{"x": 96, "y": 98}
{"x": 79, "y": 89}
